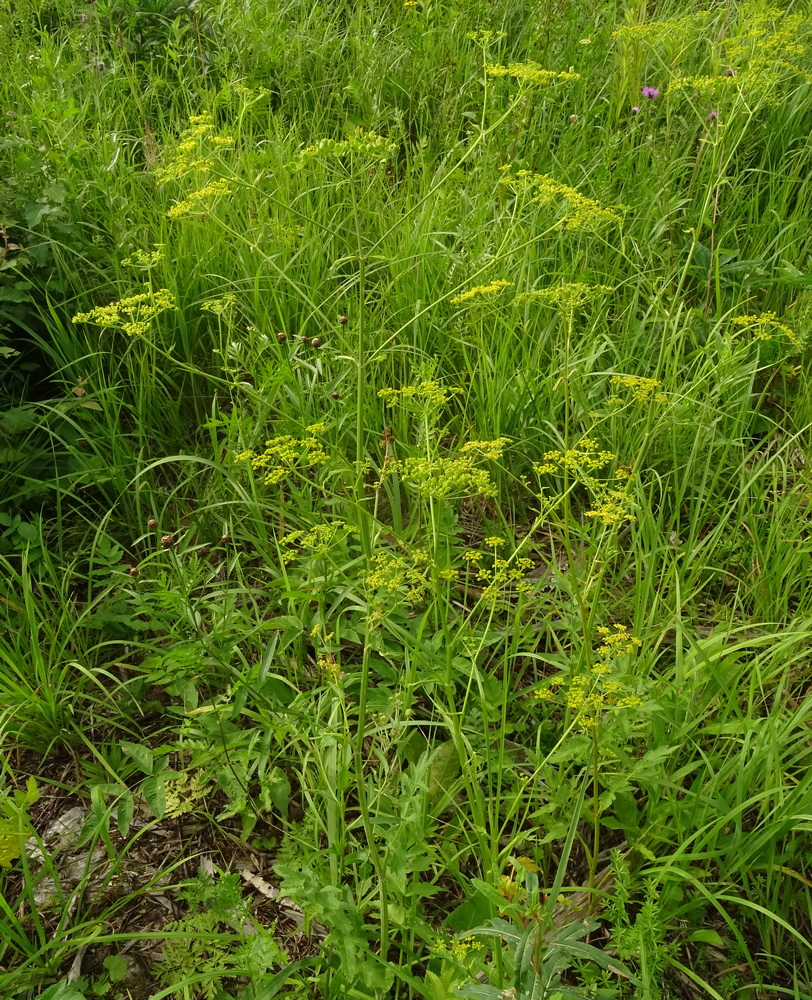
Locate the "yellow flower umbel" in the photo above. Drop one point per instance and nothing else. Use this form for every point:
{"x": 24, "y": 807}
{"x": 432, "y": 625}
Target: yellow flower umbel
{"x": 194, "y": 154}
{"x": 580, "y": 212}
{"x": 133, "y": 314}
{"x": 765, "y": 48}
{"x": 581, "y": 462}
{"x": 601, "y": 690}
{"x": 611, "y": 502}
{"x": 642, "y": 390}
{"x": 763, "y": 326}
{"x": 222, "y": 305}
{"x": 705, "y": 87}
{"x": 286, "y": 454}
{"x": 567, "y": 296}
{"x": 501, "y": 577}
{"x": 318, "y": 539}
{"x": 490, "y": 289}
{"x": 145, "y": 260}
{"x": 414, "y": 397}
{"x": 196, "y": 201}
{"x": 406, "y": 575}
{"x": 531, "y": 72}
{"x": 444, "y": 478}
{"x": 360, "y": 143}
{"x": 491, "y": 450}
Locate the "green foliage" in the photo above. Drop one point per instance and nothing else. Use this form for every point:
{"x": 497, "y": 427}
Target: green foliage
{"x": 210, "y": 944}
{"x": 404, "y": 499}
{"x": 14, "y": 825}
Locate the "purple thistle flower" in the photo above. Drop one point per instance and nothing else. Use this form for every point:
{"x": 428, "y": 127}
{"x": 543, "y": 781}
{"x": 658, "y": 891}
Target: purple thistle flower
{"x": 650, "y": 92}
{"x": 635, "y": 110}
{"x": 730, "y": 71}
{"x": 712, "y": 115}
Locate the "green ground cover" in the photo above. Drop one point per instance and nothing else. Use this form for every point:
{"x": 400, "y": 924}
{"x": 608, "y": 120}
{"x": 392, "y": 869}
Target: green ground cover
{"x": 404, "y": 438}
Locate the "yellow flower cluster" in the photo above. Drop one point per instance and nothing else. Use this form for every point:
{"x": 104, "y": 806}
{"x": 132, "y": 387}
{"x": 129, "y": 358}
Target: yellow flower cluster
{"x": 287, "y": 236}
{"x": 283, "y": 455}
{"x": 145, "y": 260}
{"x": 486, "y": 36}
{"x": 581, "y": 212}
{"x": 319, "y": 538}
{"x": 328, "y": 663}
{"x": 530, "y": 72}
{"x": 703, "y": 86}
{"x": 399, "y": 573}
{"x": 248, "y": 93}
{"x": 763, "y": 323}
{"x": 219, "y": 306}
{"x": 444, "y": 478}
{"x": 769, "y": 36}
{"x": 582, "y": 461}
{"x": 612, "y": 504}
{"x": 194, "y": 201}
{"x": 502, "y": 577}
{"x": 193, "y": 154}
{"x": 617, "y": 642}
{"x": 642, "y": 389}
{"x": 133, "y": 314}
{"x": 567, "y": 296}
{"x": 490, "y": 289}
{"x": 491, "y": 450}
{"x": 428, "y": 393}
{"x": 360, "y": 142}
{"x": 655, "y": 32}
{"x": 590, "y": 695}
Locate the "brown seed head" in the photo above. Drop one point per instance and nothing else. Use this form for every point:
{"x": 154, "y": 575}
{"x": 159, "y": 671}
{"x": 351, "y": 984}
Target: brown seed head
{"x": 225, "y": 538}
{"x": 281, "y": 337}
{"x": 342, "y": 320}
{"x": 133, "y": 571}
{"x": 152, "y": 522}
{"x": 316, "y": 342}
{"x": 167, "y": 541}
{"x": 336, "y": 395}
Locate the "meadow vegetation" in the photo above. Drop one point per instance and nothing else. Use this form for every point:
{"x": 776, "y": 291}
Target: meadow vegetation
{"x": 405, "y": 509}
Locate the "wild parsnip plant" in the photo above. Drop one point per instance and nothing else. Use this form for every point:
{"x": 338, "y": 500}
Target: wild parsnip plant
{"x": 405, "y": 500}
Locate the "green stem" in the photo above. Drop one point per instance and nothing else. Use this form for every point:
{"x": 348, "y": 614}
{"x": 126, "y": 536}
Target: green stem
{"x": 363, "y": 801}
{"x": 596, "y": 817}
